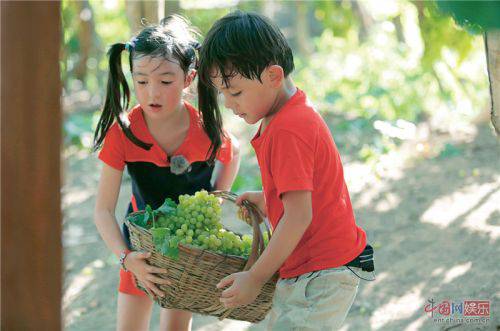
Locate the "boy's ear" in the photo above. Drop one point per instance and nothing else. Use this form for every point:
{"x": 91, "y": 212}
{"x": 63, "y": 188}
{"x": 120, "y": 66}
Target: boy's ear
{"x": 189, "y": 78}
{"x": 275, "y": 75}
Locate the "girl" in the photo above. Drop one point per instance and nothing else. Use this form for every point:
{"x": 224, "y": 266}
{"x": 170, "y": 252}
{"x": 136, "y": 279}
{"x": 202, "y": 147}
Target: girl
{"x": 164, "y": 145}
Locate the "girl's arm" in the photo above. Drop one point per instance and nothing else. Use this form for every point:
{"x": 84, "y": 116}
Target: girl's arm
{"x": 107, "y": 226}
{"x": 226, "y": 173}
{"x": 104, "y": 213}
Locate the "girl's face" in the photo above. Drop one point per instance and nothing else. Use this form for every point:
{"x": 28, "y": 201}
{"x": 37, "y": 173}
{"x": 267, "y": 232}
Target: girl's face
{"x": 158, "y": 85}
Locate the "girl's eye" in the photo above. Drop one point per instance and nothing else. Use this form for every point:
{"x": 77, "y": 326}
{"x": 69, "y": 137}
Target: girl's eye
{"x": 141, "y": 82}
{"x": 166, "y": 83}
{"x": 236, "y": 94}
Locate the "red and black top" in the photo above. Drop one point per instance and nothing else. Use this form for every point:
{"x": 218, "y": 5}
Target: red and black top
{"x": 152, "y": 179}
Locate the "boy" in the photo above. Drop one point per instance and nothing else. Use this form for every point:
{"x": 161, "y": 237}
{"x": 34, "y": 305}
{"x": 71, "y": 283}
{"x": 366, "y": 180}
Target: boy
{"x": 315, "y": 238}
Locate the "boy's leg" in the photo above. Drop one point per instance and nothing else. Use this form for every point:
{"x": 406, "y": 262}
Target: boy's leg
{"x": 318, "y": 302}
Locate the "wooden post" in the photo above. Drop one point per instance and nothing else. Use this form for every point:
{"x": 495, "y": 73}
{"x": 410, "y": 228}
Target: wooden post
{"x": 31, "y": 248}
{"x": 492, "y": 43}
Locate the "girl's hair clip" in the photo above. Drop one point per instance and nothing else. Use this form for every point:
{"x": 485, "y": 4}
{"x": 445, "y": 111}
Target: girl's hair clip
{"x": 130, "y": 45}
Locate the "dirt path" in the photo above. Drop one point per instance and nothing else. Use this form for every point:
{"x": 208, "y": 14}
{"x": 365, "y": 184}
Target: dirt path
{"x": 435, "y": 224}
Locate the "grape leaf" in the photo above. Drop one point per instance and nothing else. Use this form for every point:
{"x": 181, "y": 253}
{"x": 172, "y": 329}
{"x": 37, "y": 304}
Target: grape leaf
{"x": 139, "y": 219}
{"x": 160, "y": 235}
{"x": 168, "y": 250}
{"x": 169, "y": 207}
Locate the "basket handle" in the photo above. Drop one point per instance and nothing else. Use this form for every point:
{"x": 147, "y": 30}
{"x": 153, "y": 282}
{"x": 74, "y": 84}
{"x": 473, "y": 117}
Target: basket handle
{"x": 254, "y": 219}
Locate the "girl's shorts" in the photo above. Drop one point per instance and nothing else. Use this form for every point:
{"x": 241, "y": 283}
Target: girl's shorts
{"x": 127, "y": 282}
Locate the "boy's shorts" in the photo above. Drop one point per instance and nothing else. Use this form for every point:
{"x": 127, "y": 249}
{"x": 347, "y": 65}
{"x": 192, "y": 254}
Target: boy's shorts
{"x": 318, "y": 300}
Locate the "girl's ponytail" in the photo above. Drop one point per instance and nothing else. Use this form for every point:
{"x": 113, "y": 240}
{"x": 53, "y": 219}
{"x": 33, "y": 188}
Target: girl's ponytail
{"x": 212, "y": 119}
{"x": 117, "y": 100}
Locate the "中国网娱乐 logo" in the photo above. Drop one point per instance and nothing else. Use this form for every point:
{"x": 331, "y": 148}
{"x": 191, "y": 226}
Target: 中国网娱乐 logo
{"x": 463, "y": 312}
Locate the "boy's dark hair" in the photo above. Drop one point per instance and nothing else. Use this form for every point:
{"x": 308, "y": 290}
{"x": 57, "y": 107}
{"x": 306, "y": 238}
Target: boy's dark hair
{"x": 238, "y": 43}
{"x": 173, "y": 40}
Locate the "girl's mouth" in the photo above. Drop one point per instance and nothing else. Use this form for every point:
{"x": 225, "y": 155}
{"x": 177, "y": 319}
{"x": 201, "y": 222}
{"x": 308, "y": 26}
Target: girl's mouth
{"x": 155, "y": 107}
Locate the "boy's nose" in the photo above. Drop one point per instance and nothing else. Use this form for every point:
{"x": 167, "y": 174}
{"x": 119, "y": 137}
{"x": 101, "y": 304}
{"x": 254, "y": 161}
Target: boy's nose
{"x": 154, "y": 93}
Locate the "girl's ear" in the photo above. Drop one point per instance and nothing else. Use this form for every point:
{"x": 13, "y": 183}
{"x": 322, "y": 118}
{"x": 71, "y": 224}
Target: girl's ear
{"x": 275, "y": 75}
{"x": 189, "y": 78}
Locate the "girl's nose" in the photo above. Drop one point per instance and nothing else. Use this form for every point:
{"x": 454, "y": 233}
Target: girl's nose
{"x": 228, "y": 104}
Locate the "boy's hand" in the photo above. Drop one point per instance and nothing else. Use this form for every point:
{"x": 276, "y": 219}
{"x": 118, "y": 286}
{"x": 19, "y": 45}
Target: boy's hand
{"x": 243, "y": 291}
{"x": 145, "y": 273}
{"x": 255, "y": 197}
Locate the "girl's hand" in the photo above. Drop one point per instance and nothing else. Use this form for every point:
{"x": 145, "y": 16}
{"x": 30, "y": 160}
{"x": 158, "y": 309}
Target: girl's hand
{"x": 145, "y": 273}
{"x": 255, "y": 197}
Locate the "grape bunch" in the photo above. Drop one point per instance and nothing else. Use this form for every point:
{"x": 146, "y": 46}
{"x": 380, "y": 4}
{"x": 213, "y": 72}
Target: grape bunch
{"x": 196, "y": 221}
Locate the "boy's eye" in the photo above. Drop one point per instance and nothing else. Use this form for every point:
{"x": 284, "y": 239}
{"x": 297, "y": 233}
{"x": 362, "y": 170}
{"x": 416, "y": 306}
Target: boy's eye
{"x": 236, "y": 94}
{"x": 140, "y": 82}
{"x": 166, "y": 83}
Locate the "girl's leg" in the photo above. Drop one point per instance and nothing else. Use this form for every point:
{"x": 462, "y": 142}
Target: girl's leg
{"x": 134, "y": 312}
{"x": 175, "y": 320}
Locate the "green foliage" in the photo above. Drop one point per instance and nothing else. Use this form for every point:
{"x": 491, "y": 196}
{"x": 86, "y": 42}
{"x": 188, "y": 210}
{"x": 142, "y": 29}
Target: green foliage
{"x": 336, "y": 16}
{"x": 439, "y": 31}
{"x": 437, "y": 69}
{"x": 475, "y": 16}
{"x": 383, "y": 78}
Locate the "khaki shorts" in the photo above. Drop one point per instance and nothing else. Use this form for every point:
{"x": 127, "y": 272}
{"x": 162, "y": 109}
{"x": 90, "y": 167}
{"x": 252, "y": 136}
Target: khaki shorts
{"x": 314, "y": 301}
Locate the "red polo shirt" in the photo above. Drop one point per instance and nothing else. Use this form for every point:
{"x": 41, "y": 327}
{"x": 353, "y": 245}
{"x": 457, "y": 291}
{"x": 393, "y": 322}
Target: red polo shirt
{"x": 296, "y": 152}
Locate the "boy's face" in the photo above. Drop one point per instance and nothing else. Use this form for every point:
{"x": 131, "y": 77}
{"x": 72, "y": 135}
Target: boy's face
{"x": 248, "y": 98}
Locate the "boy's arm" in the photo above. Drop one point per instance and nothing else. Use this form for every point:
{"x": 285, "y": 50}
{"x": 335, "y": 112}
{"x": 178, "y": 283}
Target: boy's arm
{"x": 296, "y": 219}
{"x": 246, "y": 285}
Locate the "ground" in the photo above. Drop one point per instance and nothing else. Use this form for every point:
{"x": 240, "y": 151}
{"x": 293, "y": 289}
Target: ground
{"x": 433, "y": 218}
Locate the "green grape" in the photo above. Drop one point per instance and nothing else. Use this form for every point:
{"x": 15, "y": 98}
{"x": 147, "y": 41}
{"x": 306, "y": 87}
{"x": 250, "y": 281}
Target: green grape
{"x": 197, "y": 221}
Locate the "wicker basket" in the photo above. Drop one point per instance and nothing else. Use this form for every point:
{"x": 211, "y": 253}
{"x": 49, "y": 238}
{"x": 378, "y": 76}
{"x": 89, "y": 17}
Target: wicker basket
{"x": 195, "y": 274}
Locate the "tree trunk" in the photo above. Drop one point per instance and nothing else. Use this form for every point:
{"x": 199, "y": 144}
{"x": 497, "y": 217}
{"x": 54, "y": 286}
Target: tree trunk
{"x": 492, "y": 45}
{"x": 85, "y": 34}
{"x": 85, "y": 38}
{"x": 302, "y": 29}
{"x": 399, "y": 29}
{"x": 141, "y": 13}
{"x": 171, "y": 7}
{"x": 365, "y": 20}
{"x": 268, "y": 8}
